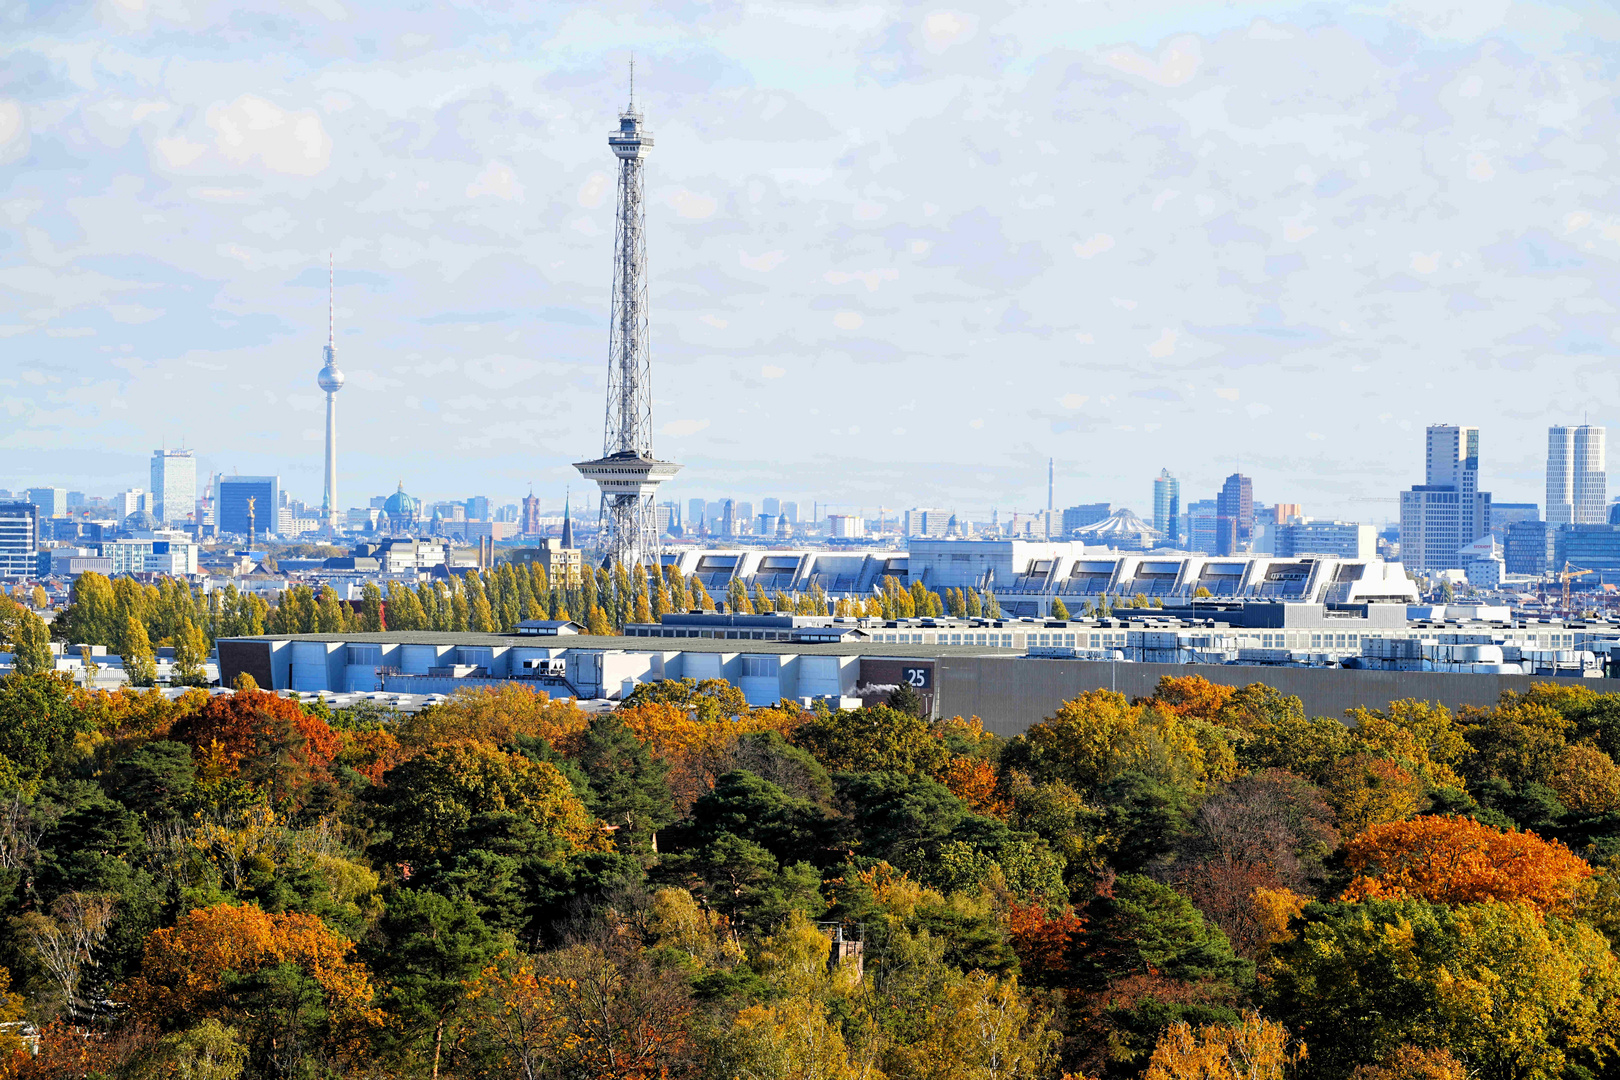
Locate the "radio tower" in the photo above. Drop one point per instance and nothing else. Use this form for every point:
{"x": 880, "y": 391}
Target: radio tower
{"x": 627, "y": 472}
{"x": 331, "y": 381}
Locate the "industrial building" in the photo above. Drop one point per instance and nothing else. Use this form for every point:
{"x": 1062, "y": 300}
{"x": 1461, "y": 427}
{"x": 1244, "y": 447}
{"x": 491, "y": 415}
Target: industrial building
{"x": 1027, "y": 575}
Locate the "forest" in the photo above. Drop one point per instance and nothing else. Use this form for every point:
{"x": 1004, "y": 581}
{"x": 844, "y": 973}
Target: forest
{"x": 1204, "y": 883}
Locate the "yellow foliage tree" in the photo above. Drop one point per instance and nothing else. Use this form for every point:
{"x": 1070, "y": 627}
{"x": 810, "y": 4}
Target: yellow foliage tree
{"x": 1255, "y": 1049}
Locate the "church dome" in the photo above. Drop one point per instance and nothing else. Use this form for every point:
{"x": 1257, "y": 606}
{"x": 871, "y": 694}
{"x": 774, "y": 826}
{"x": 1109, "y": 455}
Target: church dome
{"x": 400, "y": 505}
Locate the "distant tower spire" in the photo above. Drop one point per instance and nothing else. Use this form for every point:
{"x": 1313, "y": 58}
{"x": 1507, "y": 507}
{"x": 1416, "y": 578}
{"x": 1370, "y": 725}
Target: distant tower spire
{"x": 330, "y": 380}
{"x": 628, "y": 473}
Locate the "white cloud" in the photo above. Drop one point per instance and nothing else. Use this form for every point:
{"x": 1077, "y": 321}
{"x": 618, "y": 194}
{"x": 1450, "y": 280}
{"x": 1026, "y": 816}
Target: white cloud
{"x": 715, "y": 321}
{"x": 870, "y": 278}
{"x": 594, "y": 190}
{"x": 1095, "y": 244}
{"x": 13, "y": 131}
{"x": 1480, "y": 167}
{"x": 1425, "y": 263}
{"x": 683, "y": 427}
{"x": 762, "y": 264}
{"x": 1164, "y": 344}
{"x": 251, "y": 129}
{"x": 869, "y": 211}
{"x": 1177, "y": 62}
{"x": 976, "y": 423}
{"x": 942, "y": 29}
{"x": 179, "y": 151}
{"x": 848, "y": 320}
{"x": 1073, "y": 401}
{"x": 691, "y": 205}
{"x": 496, "y": 180}
{"x": 771, "y": 371}
{"x": 1226, "y": 393}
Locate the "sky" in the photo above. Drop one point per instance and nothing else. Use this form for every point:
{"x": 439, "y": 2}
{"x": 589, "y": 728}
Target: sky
{"x": 899, "y": 254}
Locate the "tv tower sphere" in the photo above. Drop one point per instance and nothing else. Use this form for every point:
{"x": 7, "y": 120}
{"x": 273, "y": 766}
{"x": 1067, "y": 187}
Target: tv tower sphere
{"x": 627, "y": 472}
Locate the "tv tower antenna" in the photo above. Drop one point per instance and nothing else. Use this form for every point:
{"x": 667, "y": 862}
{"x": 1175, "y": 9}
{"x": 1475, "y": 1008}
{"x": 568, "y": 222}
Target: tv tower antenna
{"x": 628, "y": 473}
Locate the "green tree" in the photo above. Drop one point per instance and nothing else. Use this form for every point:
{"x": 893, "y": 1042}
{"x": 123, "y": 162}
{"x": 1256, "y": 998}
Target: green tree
{"x": 368, "y": 619}
{"x": 31, "y": 644}
{"x": 435, "y": 947}
{"x": 190, "y": 656}
{"x": 1060, "y": 610}
{"x": 629, "y": 788}
{"x": 737, "y": 598}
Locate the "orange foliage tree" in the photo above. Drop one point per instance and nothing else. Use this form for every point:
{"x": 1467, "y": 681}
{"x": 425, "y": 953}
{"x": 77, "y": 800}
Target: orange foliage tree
{"x": 697, "y": 742}
{"x": 1041, "y": 939}
{"x": 1255, "y": 1049}
{"x": 267, "y": 737}
{"x": 1454, "y": 860}
{"x": 286, "y": 981}
{"x": 1192, "y": 696}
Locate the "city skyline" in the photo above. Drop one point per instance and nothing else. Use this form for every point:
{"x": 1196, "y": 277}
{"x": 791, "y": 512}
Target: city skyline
{"x": 486, "y": 354}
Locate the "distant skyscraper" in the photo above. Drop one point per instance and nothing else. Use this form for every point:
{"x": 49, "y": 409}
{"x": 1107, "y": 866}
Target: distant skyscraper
{"x": 174, "y": 485}
{"x": 1577, "y": 476}
{"x": 19, "y": 539}
{"x": 1201, "y": 525}
{"x": 331, "y": 381}
{"x": 772, "y": 506}
{"x": 1234, "y": 515}
{"x": 695, "y": 513}
{"x": 478, "y": 508}
{"x": 231, "y": 494}
{"x": 728, "y": 518}
{"x": 790, "y": 510}
{"x": 1447, "y": 512}
{"x": 1167, "y": 507}
{"x": 52, "y": 502}
{"x": 627, "y": 472}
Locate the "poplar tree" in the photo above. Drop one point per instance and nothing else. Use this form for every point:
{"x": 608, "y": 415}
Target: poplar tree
{"x": 136, "y": 649}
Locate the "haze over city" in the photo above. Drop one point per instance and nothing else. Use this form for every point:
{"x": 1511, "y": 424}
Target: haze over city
{"x": 897, "y": 255}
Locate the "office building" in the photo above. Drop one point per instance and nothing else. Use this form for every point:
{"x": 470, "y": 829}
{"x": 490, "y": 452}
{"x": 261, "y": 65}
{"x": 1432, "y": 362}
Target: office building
{"x": 174, "y": 486}
{"x": 790, "y": 510}
{"x": 1343, "y": 539}
{"x": 171, "y": 558}
{"x": 1447, "y": 512}
{"x": 1505, "y": 514}
{"x": 926, "y": 522}
{"x": 19, "y": 539}
{"x": 132, "y": 501}
{"x": 669, "y": 516}
{"x": 1166, "y": 508}
{"x": 772, "y": 507}
{"x": 231, "y": 495}
{"x": 1527, "y": 547}
{"x": 477, "y": 508}
{"x": 1586, "y": 547}
{"x": 1078, "y": 517}
{"x": 743, "y": 514}
{"x": 52, "y": 502}
{"x": 1234, "y": 515}
{"x": 1201, "y": 525}
{"x": 845, "y": 526}
{"x": 1577, "y": 476}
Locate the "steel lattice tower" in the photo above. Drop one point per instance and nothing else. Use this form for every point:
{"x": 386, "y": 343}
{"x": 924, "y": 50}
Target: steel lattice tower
{"x": 627, "y": 472}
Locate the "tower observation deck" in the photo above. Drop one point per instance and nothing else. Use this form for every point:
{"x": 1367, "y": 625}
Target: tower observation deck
{"x": 330, "y": 381}
{"x": 628, "y": 473}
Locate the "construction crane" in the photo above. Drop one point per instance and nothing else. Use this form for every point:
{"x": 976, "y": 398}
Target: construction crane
{"x": 1565, "y": 577}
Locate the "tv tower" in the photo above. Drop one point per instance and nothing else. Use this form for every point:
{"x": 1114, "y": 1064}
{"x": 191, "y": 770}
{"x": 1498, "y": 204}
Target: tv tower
{"x": 331, "y": 381}
{"x": 627, "y": 472}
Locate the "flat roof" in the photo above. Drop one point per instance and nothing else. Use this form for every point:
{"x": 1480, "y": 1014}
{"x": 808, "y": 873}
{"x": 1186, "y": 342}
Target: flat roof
{"x": 642, "y": 644}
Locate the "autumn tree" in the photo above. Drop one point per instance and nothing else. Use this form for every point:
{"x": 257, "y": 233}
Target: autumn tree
{"x": 1455, "y": 860}
{"x": 1254, "y": 1049}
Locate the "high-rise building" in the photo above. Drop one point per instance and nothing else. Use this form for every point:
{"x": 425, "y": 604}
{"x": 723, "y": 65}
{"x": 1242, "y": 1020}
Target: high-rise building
{"x": 174, "y": 485}
{"x": 1078, "y": 517}
{"x": 19, "y": 539}
{"x": 922, "y": 521}
{"x": 1448, "y": 511}
{"x": 1166, "y": 507}
{"x": 728, "y": 518}
{"x": 1577, "y": 475}
{"x": 772, "y": 506}
{"x": 1234, "y": 515}
{"x": 628, "y": 472}
{"x": 477, "y": 508}
{"x": 1201, "y": 525}
{"x": 132, "y": 501}
{"x": 1341, "y": 539}
{"x": 52, "y": 502}
{"x": 231, "y": 495}
{"x": 790, "y": 510}
{"x": 743, "y": 514}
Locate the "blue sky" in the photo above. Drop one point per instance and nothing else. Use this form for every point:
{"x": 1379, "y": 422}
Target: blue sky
{"x": 900, "y": 254}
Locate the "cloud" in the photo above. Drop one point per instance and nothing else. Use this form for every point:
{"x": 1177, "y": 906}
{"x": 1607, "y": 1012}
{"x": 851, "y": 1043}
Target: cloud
{"x": 771, "y": 371}
{"x": 690, "y": 205}
{"x": 714, "y": 320}
{"x": 762, "y": 264}
{"x": 848, "y": 320}
{"x": 942, "y": 29}
{"x": 1095, "y": 244}
{"x": 496, "y": 180}
{"x": 1164, "y": 344}
{"x": 594, "y": 190}
{"x": 870, "y": 278}
{"x": 976, "y": 423}
{"x": 1480, "y": 167}
{"x": 13, "y": 131}
{"x": 251, "y": 129}
{"x": 1073, "y": 401}
{"x": 1425, "y": 263}
{"x": 1177, "y": 63}
{"x": 683, "y": 427}
{"x": 1226, "y": 393}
